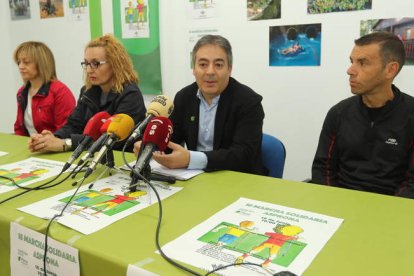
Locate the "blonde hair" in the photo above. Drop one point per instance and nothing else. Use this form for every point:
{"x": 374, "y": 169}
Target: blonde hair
{"x": 118, "y": 58}
{"x": 38, "y": 53}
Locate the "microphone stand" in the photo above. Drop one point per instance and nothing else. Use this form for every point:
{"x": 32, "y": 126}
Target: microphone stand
{"x": 109, "y": 162}
{"x": 136, "y": 179}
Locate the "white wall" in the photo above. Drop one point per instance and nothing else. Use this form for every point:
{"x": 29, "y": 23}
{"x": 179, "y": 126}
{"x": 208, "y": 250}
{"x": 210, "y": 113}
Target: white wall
{"x": 64, "y": 36}
{"x": 8, "y": 102}
{"x": 296, "y": 99}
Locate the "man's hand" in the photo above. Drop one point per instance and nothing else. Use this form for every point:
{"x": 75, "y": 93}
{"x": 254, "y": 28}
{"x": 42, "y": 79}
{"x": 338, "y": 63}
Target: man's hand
{"x": 137, "y": 146}
{"x": 179, "y": 158}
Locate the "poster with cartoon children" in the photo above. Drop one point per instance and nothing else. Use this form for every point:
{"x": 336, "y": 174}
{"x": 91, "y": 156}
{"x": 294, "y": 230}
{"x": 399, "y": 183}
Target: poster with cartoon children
{"x": 135, "y": 18}
{"x": 94, "y": 202}
{"x": 26, "y": 172}
{"x": 79, "y": 9}
{"x": 92, "y": 209}
{"x": 273, "y": 238}
{"x": 280, "y": 246}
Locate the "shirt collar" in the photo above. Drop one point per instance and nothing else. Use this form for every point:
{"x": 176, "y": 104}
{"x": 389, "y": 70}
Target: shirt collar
{"x": 201, "y": 97}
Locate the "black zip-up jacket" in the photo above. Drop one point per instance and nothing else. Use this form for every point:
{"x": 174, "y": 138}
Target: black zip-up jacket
{"x": 355, "y": 152}
{"x": 129, "y": 101}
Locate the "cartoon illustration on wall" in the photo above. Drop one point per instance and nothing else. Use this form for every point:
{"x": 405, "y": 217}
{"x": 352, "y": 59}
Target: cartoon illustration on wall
{"x": 136, "y": 15}
{"x": 78, "y": 7}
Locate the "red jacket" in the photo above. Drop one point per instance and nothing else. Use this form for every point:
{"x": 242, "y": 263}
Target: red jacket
{"x": 52, "y": 104}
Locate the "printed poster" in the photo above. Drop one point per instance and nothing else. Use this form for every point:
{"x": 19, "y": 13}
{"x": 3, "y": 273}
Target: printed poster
{"x": 79, "y": 9}
{"x": 134, "y": 19}
{"x": 28, "y": 171}
{"x": 274, "y": 237}
{"x": 27, "y": 250}
{"x": 92, "y": 209}
{"x": 202, "y": 9}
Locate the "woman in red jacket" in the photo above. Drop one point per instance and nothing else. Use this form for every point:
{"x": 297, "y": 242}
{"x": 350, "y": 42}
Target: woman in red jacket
{"x": 43, "y": 102}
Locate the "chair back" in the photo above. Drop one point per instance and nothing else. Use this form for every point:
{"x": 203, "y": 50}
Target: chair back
{"x": 273, "y": 155}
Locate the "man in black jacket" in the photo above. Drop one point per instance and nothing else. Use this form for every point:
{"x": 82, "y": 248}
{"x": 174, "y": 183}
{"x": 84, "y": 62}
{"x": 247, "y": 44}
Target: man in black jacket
{"x": 367, "y": 140}
{"x": 219, "y": 119}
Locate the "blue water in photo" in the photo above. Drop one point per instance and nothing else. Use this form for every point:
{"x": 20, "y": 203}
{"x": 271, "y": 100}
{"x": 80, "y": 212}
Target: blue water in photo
{"x": 308, "y": 55}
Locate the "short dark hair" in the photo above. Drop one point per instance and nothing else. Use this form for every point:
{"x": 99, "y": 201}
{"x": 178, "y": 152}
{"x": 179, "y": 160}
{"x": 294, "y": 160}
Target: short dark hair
{"x": 391, "y": 46}
{"x": 213, "y": 40}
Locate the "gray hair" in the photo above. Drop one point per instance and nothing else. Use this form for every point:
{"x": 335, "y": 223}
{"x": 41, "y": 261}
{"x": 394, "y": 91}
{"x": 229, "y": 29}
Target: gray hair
{"x": 218, "y": 40}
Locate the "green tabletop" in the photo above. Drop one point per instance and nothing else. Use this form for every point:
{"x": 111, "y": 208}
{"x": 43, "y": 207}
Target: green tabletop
{"x": 374, "y": 239}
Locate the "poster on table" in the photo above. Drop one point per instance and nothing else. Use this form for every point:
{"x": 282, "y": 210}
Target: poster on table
{"x": 27, "y": 171}
{"x": 275, "y": 238}
{"x": 93, "y": 208}
{"x": 27, "y": 248}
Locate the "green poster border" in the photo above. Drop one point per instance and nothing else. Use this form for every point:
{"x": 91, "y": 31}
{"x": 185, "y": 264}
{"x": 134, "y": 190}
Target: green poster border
{"x": 144, "y": 52}
{"x": 95, "y": 18}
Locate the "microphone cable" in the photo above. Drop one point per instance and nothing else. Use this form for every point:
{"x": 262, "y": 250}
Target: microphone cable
{"x": 40, "y": 187}
{"x": 158, "y": 230}
{"x": 50, "y": 223}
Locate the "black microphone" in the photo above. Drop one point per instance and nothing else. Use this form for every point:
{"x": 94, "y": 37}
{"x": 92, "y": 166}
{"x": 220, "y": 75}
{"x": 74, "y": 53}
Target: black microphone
{"x": 163, "y": 178}
{"x": 93, "y": 148}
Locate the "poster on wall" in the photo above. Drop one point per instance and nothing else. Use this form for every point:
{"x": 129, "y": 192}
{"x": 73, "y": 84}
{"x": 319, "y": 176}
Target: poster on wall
{"x": 19, "y": 9}
{"x": 260, "y": 10}
{"x": 51, "y": 8}
{"x": 201, "y": 9}
{"x": 402, "y": 27}
{"x": 134, "y": 18}
{"x": 325, "y": 6}
{"x": 78, "y": 9}
{"x": 193, "y": 37}
{"x": 144, "y": 50}
{"x": 295, "y": 45}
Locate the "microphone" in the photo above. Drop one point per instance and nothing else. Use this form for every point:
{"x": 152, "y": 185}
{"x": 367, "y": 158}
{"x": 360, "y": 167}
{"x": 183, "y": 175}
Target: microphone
{"x": 156, "y": 137}
{"x": 98, "y": 143}
{"x": 119, "y": 128}
{"x": 160, "y": 106}
{"x": 91, "y": 133}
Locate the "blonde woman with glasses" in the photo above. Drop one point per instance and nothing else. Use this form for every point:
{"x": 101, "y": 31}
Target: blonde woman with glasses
{"x": 43, "y": 102}
{"x": 110, "y": 84}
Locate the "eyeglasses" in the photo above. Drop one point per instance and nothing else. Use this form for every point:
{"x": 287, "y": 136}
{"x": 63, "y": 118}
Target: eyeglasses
{"x": 93, "y": 64}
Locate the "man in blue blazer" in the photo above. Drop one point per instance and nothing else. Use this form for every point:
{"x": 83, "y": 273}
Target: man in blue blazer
{"x": 219, "y": 119}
